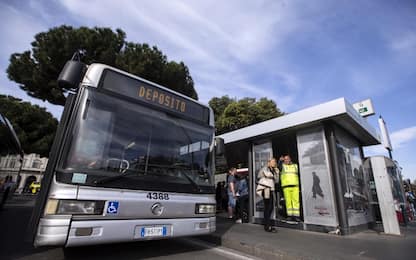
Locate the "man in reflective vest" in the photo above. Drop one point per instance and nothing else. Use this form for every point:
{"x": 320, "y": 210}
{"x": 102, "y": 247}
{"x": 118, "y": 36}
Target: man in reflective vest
{"x": 289, "y": 180}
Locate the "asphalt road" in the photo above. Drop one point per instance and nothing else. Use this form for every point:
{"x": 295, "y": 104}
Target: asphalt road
{"x": 15, "y": 216}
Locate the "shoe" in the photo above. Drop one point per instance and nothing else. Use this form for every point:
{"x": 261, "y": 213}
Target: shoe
{"x": 271, "y": 229}
{"x": 239, "y": 221}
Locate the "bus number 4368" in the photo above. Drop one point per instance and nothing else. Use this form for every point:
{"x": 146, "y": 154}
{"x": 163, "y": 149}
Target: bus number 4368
{"x": 157, "y": 196}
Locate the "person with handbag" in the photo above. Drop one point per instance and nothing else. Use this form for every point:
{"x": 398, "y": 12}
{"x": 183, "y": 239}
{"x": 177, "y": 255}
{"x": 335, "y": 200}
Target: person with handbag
{"x": 265, "y": 188}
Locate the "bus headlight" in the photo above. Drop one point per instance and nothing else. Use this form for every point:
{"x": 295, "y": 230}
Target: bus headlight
{"x": 74, "y": 207}
{"x": 205, "y": 208}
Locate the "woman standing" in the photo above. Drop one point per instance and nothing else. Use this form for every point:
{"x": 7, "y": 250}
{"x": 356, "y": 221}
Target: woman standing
{"x": 266, "y": 186}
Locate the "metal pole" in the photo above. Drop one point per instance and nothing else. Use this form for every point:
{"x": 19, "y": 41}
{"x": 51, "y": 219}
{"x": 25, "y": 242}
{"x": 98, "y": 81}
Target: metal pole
{"x": 252, "y": 185}
{"x": 339, "y": 198}
{"x": 390, "y": 155}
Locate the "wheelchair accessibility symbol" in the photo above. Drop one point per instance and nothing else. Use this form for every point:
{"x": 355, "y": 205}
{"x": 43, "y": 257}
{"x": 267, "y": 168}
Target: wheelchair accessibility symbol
{"x": 112, "y": 207}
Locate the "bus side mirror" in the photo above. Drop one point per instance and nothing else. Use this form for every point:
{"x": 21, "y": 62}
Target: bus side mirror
{"x": 71, "y": 75}
{"x": 219, "y": 146}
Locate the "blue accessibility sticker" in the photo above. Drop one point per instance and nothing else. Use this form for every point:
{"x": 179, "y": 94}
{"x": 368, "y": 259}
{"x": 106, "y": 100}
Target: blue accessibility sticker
{"x": 112, "y": 207}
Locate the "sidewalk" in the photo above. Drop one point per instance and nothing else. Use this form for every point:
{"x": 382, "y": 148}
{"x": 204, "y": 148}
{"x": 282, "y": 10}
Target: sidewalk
{"x": 296, "y": 244}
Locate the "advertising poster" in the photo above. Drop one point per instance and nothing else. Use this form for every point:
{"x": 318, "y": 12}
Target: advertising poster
{"x": 317, "y": 193}
{"x": 354, "y": 186}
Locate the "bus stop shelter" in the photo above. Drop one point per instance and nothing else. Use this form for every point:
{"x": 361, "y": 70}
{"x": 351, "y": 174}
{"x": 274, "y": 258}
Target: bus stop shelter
{"x": 327, "y": 142}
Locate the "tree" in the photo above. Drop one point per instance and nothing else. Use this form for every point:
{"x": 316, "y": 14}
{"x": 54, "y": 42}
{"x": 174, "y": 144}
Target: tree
{"x": 238, "y": 114}
{"x": 151, "y": 64}
{"x": 233, "y": 114}
{"x": 36, "y": 71}
{"x": 34, "y": 126}
{"x": 218, "y": 105}
{"x": 266, "y": 109}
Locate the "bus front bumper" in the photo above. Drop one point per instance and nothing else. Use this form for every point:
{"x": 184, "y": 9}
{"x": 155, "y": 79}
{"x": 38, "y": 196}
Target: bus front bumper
{"x": 63, "y": 232}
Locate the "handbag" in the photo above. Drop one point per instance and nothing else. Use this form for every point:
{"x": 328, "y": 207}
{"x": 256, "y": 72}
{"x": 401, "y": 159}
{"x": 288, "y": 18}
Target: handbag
{"x": 261, "y": 186}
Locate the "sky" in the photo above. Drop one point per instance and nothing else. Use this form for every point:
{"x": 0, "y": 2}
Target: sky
{"x": 297, "y": 53}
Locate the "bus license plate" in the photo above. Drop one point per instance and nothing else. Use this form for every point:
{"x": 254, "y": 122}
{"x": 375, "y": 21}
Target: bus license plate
{"x": 153, "y": 231}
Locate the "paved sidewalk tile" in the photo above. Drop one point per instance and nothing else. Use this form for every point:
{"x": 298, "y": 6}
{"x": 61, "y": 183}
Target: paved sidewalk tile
{"x": 297, "y": 244}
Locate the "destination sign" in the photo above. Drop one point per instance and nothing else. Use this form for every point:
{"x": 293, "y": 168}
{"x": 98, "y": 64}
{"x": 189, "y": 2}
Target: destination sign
{"x": 150, "y": 94}
{"x": 167, "y": 100}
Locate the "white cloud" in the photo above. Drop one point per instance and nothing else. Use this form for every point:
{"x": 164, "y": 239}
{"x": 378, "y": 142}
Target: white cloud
{"x": 403, "y": 137}
{"x": 277, "y": 49}
{"x": 215, "y": 42}
{"x": 403, "y": 142}
{"x": 399, "y": 139}
{"x": 17, "y": 31}
{"x": 409, "y": 171}
{"x": 363, "y": 81}
{"x": 405, "y": 43}
{"x": 200, "y": 28}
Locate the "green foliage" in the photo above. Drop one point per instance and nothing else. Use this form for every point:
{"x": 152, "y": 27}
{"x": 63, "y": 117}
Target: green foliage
{"x": 151, "y": 64}
{"x": 36, "y": 71}
{"x": 219, "y": 105}
{"x": 34, "y": 126}
{"x": 232, "y": 114}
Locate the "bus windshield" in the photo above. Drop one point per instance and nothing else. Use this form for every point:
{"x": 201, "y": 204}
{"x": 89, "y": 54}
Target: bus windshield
{"x": 120, "y": 144}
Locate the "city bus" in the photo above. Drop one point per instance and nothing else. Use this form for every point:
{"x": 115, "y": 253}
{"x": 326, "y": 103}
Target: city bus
{"x": 11, "y": 156}
{"x": 131, "y": 160}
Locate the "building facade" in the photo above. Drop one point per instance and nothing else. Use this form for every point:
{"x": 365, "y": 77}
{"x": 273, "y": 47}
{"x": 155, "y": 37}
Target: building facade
{"x": 32, "y": 169}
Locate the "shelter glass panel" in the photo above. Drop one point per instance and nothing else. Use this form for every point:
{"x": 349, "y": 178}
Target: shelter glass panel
{"x": 317, "y": 192}
{"x": 261, "y": 154}
{"x": 354, "y": 185}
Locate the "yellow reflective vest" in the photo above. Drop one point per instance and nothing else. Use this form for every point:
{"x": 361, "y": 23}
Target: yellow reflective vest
{"x": 289, "y": 175}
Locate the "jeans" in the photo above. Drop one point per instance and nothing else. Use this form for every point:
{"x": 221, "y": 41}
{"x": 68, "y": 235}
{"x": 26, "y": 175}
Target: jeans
{"x": 231, "y": 200}
{"x": 242, "y": 208}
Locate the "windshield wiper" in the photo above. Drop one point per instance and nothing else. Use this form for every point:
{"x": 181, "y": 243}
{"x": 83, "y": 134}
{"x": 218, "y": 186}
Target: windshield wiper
{"x": 182, "y": 171}
{"x": 116, "y": 177}
{"x": 194, "y": 184}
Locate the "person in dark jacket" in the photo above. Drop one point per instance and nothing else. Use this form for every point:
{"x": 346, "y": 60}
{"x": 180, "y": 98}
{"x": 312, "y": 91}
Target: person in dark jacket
{"x": 242, "y": 200}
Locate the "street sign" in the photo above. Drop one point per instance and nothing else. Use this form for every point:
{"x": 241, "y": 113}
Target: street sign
{"x": 364, "y": 108}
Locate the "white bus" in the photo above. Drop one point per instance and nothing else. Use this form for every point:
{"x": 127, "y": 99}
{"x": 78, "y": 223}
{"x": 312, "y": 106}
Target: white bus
{"x": 131, "y": 160}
